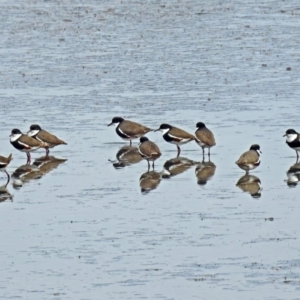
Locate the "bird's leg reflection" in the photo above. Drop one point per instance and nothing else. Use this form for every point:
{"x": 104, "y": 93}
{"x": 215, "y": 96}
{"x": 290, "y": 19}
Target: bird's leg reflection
{"x": 8, "y": 176}
{"x": 28, "y": 158}
{"x": 178, "y": 150}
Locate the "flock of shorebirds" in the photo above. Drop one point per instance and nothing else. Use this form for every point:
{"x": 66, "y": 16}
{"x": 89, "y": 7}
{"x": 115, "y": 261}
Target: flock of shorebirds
{"x": 129, "y": 130}
{"x": 35, "y": 138}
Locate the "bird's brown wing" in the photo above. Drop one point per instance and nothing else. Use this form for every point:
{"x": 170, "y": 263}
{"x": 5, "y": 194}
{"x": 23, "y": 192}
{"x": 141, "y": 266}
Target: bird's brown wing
{"x": 150, "y": 150}
{"x": 49, "y": 138}
{"x": 180, "y": 134}
{"x": 29, "y": 142}
{"x": 249, "y": 157}
{"x": 206, "y": 137}
{"x": 133, "y": 129}
{"x": 155, "y": 151}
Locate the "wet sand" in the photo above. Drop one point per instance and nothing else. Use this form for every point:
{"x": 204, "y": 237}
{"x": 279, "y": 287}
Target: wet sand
{"x": 88, "y": 227}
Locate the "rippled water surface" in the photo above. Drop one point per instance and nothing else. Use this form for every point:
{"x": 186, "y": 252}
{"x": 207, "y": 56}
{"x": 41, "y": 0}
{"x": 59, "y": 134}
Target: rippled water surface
{"x": 92, "y": 223}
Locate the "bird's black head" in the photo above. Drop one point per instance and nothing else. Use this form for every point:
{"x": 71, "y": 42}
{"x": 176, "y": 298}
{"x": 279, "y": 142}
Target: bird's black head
{"x": 291, "y": 131}
{"x": 255, "y": 147}
{"x": 35, "y": 127}
{"x": 200, "y": 125}
{"x": 164, "y": 127}
{"x": 143, "y": 139}
{"x": 16, "y": 131}
{"x": 116, "y": 120}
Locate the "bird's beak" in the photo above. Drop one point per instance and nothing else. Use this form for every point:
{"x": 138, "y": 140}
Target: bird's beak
{"x": 110, "y": 124}
{"x": 284, "y": 135}
{"x": 260, "y": 151}
{"x": 156, "y": 130}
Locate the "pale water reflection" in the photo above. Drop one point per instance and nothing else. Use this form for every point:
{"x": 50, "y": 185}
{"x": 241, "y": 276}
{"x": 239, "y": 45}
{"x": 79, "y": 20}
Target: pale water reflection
{"x": 250, "y": 184}
{"x": 149, "y": 181}
{"x": 126, "y": 156}
{"x": 293, "y": 175}
{"x": 176, "y": 166}
{"x": 205, "y": 171}
{"x": 4, "y": 192}
{"x": 36, "y": 170}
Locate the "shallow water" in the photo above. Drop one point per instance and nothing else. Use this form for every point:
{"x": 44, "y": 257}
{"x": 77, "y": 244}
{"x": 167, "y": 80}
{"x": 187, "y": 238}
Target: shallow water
{"x": 82, "y": 229}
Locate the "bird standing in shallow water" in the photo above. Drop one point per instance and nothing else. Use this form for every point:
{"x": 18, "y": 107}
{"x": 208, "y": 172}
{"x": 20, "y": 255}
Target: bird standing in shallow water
{"x": 44, "y": 136}
{"x": 25, "y": 143}
{"x": 175, "y": 136}
{"x": 149, "y": 151}
{"x": 129, "y": 130}
{"x": 4, "y": 162}
{"x": 250, "y": 159}
{"x": 204, "y": 137}
{"x": 293, "y": 140}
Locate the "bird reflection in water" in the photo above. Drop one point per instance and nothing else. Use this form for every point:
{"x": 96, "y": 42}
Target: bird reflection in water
{"x": 149, "y": 181}
{"x": 127, "y": 155}
{"x": 205, "y": 171}
{"x": 176, "y": 166}
{"x": 36, "y": 170}
{"x": 293, "y": 175}
{"x": 250, "y": 184}
{"x": 4, "y": 193}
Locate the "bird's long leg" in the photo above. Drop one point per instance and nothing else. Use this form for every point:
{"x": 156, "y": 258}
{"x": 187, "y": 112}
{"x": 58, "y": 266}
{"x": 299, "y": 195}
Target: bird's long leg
{"x": 47, "y": 152}
{"x": 178, "y": 150}
{"x": 130, "y": 142}
{"x": 153, "y": 165}
{"x": 297, "y": 156}
{"x": 148, "y": 165}
{"x": 28, "y": 158}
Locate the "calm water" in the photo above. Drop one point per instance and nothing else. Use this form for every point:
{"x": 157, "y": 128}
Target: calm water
{"x": 80, "y": 227}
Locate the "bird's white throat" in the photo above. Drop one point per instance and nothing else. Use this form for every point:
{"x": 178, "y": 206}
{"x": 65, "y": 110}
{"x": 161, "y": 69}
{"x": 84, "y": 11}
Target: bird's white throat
{"x": 291, "y": 137}
{"x": 165, "y": 130}
{"x": 32, "y": 132}
{"x": 14, "y": 137}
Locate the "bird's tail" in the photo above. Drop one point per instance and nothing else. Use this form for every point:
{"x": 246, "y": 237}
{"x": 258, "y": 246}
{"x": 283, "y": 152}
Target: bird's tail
{"x": 9, "y": 158}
